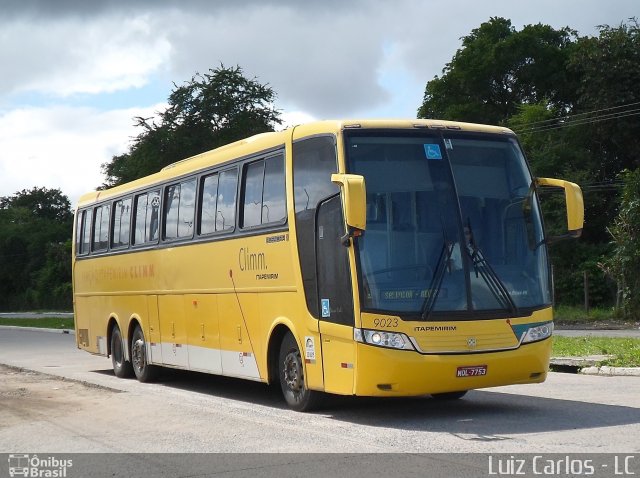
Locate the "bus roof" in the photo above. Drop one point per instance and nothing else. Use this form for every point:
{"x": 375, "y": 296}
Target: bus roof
{"x": 265, "y": 141}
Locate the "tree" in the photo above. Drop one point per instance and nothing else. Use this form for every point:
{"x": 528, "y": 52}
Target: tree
{"x": 40, "y": 203}
{"x": 624, "y": 263}
{"x": 607, "y": 68}
{"x": 499, "y": 68}
{"x": 35, "y": 269}
{"x": 210, "y": 110}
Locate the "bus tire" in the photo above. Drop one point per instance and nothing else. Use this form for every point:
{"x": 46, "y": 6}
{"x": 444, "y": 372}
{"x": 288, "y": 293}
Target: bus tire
{"x": 449, "y": 395}
{"x": 121, "y": 367}
{"x": 144, "y": 371}
{"x": 291, "y": 373}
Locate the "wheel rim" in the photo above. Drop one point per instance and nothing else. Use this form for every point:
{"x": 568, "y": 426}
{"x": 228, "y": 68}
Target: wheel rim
{"x": 117, "y": 350}
{"x": 137, "y": 354}
{"x": 292, "y": 373}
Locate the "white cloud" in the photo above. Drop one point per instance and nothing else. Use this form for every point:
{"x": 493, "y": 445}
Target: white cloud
{"x": 62, "y": 147}
{"x": 72, "y": 55}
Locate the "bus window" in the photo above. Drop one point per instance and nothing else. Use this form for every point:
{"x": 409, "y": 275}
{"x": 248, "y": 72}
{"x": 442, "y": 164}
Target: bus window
{"x": 180, "y": 200}
{"x": 226, "y": 204}
{"x": 274, "y": 202}
{"x": 208, "y": 199}
{"x": 264, "y": 192}
{"x": 153, "y": 216}
{"x": 86, "y": 233}
{"x": 146, "y": 215}
{"x": 101, "y": 228}
{"x": 140, "y": 219}
{"x": 79, "y": 229}
{"x": 121, "y": 223}
{"x": 252, "y": 187}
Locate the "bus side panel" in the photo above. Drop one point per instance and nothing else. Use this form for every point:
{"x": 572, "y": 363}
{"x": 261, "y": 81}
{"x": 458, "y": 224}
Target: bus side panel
{"x": 203, "y": 335}
{"x": 152, "y": 332}
{"x": 84, "y": 333}
{"x": 173, "y": 332}
{"x": 237, "y": 345}
{"x": 338, "y": 357}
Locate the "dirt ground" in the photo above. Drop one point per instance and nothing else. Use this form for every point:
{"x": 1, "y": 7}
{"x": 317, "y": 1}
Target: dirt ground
{"x": 27, "y": 396}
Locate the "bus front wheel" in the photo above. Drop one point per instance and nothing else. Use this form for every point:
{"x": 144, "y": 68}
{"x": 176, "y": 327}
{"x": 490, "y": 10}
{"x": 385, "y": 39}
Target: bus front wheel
{"x": 121, "y": 367}
{"x": 291, "y": 372}
{"x": 144, "y": 371}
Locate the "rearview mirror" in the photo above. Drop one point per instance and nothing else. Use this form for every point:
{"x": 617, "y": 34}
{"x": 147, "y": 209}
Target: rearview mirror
{"x": 574, "y": 201}
{"x": 354, "y": 196}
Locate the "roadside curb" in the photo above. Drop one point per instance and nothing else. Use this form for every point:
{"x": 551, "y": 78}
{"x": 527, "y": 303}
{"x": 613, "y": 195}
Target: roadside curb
{"x": 612, "y": 371}
{"x": 39, "y": 329}
{"x": 590, "y": 365}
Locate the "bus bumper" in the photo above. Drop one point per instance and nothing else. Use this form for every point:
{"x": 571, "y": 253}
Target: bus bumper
{"x": 383, "y": 372}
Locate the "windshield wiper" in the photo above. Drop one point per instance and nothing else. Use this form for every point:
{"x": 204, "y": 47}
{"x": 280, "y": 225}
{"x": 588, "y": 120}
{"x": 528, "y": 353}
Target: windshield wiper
{"x": 444, "y": 263}
{"x": 483, "y": 268}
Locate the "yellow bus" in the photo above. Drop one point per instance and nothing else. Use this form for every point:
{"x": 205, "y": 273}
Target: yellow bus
{"x": 370, "y": 258}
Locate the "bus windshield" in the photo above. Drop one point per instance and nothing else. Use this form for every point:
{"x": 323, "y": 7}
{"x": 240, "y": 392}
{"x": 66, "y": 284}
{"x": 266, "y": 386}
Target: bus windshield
{"x": 453, "y": 226}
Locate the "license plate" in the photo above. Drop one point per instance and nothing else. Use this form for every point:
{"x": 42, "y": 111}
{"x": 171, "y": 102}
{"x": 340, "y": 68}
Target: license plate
{"x": 473, "y": 371}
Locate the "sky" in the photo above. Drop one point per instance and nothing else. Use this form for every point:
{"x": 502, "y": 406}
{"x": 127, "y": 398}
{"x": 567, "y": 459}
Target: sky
{"x": 75, "y": 73}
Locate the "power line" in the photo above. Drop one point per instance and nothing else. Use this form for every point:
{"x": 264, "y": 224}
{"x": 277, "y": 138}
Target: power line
{"x": 568, "y": 117}
{"x": 579, "y": 122}
{"x": 589, "y": 117}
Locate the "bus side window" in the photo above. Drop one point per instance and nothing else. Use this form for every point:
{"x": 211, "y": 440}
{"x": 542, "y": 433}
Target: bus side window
{"x": 263, "y": 192}
{"x": 140, "y": 215}
{"x": 121, "y": 223}
{"x": 226, "y": 203}
{"x": 101, "y": 228}
{"x": 81, "y": 218}
{"x": 172, "y": 203}
{"x": 274, "y": 199}
{"x": 208, "y": 200}
{"x": 86, "y": 233}
{"x": 153, "y": 216}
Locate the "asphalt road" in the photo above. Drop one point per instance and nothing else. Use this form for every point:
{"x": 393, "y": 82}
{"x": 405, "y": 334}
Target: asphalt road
{"x": 190, "y": 412}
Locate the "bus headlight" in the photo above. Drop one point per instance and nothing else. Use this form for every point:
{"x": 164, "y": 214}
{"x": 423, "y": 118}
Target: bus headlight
{"x": 537, "y": 333}
{"x": 392, "y": 340}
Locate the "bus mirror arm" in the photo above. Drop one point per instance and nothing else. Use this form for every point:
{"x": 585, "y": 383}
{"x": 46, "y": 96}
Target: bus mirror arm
{"x": 351, "y": 232}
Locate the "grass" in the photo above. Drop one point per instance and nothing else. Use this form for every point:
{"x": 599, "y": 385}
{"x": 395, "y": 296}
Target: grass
{"x": 625, "y": 351}
{"x": 577, "y": 315}
{"x": 44, "y": 322}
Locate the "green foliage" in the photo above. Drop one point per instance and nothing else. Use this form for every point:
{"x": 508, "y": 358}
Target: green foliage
{"x": 35, "y": 250}
{"x": 497, "y": 69}
{"x": 566, "y": 314}
{"x": 43, "y": 323}
{"x": 623, "y": 265}
{"x": 211, "y": 110}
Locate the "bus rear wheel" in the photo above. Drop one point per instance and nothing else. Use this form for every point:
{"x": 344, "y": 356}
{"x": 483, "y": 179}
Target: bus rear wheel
{"x": 121, "y": 367}
{"x": 291, "y": 372}
{"x": 144, "y": 371}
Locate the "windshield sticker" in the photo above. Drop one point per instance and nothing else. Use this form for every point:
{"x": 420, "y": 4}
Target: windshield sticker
{"x": 433, "y": 151}
{"x": 326, "y": 308}
{"x": 448, "y": 144}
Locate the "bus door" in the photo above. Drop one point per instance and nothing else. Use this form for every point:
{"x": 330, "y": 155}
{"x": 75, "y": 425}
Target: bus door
{"x": 335, "y": 299}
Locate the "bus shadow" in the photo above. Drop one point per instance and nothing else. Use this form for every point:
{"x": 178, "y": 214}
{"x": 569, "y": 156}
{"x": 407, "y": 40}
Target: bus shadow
{"x": 480, "y": 415}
